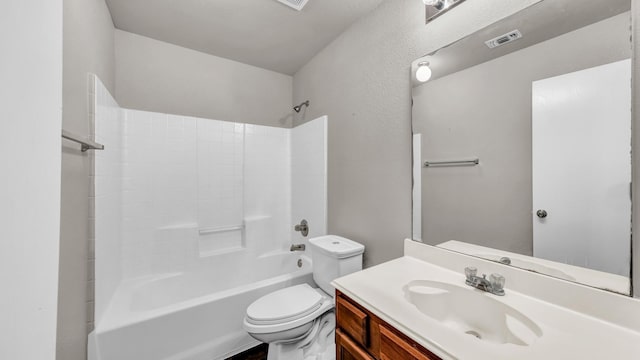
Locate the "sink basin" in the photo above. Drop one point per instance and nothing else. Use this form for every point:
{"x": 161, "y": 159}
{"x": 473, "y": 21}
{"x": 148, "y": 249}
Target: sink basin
{"x": 472, "y": 312}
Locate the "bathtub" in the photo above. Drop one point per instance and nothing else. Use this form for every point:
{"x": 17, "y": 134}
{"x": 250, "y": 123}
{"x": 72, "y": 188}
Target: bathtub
{"x": 192, "y": 315}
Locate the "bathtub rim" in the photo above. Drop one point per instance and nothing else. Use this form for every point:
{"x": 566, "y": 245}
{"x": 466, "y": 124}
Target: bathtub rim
{"x": 119, "y": 316}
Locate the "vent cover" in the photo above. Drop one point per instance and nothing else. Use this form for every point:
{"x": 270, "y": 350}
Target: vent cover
{"x": 503, "y": 39}
{"x": 296, "y": 4}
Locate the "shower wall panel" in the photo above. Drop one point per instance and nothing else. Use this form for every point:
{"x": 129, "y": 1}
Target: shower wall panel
{"x": 185, "y": 181}
{"x": 160, "y": 192}
{"x": 107, "y": 196}
{"x": 309, "y": 177}
{"x": 267, "y": 187}
{"x": 220, "y": 186}
{"x": 176, "y": 194}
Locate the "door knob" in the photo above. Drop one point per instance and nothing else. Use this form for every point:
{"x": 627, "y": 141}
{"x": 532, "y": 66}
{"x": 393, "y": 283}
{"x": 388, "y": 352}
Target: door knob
{"x": 542, "y": 214}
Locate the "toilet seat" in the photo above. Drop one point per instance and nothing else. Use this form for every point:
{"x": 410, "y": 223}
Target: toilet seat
{"x": 284, "y": 305}
{"x": 286, "y": 309}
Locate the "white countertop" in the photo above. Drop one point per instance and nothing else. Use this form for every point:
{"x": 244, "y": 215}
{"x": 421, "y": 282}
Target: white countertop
{"x": 567, "y": 333}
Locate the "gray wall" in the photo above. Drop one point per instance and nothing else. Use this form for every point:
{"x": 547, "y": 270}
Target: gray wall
{"x": 485, "y": 111}
{"x": 361, "y": 81}
{"x": 88, "y": 48}
{"x": 156, "y": 76}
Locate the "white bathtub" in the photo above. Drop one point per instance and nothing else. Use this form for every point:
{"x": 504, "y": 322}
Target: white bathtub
{"x": 192, "y": 315}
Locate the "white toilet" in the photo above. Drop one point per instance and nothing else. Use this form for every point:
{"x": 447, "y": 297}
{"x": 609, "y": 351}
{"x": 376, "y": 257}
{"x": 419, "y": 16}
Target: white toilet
{"x": 298, "y": 322}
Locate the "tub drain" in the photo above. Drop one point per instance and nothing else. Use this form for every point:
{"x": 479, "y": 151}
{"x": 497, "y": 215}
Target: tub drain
{"x": 473, "y": 333}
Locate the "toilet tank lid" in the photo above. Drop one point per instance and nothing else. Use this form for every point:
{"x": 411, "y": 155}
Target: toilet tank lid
{"x": 336, "y": 246}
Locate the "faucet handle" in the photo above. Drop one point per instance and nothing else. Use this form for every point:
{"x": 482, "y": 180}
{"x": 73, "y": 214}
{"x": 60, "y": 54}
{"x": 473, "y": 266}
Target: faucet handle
{"x": 303, "y": 227}
{"x": 497, "y": 282}
{"x": 470, "y": 272}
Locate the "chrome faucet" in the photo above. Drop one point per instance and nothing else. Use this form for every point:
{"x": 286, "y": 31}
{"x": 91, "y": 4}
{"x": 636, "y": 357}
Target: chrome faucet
{"x": 495, "y": 284}
{"x": 298, "y": 247}
{"x": 303, "y": 227}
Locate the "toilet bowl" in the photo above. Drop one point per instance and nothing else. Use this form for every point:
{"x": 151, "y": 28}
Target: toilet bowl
{"x": 298, "y": 322}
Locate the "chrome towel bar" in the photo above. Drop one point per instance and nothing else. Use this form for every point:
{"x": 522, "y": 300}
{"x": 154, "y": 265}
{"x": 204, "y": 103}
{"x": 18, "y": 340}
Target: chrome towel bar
{"x": 472, "y": 162}
{"x": 86, "y": 144}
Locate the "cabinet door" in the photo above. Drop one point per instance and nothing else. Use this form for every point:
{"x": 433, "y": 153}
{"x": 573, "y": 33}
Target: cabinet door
{"x": 347, "y": 349}
{"x": 393, "y": 347}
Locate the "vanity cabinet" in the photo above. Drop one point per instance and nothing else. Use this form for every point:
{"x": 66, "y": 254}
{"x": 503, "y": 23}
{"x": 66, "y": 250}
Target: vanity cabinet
{"x": 360, "y": 335}
{"x": 347, "y": 349}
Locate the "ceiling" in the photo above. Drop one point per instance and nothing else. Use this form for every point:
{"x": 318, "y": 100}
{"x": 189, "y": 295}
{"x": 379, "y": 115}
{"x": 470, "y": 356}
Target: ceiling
{"x": 263, "y": 33}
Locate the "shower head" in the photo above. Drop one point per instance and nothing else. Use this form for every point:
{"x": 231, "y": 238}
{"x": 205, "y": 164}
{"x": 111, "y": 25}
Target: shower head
{"x": 299, "y": 107}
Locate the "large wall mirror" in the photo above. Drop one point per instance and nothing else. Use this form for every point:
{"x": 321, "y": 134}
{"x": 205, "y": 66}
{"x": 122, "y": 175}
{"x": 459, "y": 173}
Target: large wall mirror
{"x": 522, "y": 142}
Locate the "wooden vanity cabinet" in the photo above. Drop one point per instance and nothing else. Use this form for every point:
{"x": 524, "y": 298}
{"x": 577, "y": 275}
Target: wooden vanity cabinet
{"x": 347, "y": 349}
{"x": 360, "y": 335}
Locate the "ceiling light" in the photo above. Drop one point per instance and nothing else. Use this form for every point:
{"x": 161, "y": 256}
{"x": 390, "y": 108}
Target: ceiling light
{"x": 438, "y": 4}
{"x": 423, "y": 74}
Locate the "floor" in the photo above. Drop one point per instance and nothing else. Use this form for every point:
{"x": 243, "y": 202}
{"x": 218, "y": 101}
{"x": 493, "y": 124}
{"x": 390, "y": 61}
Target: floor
{"x": 257, "y": 353}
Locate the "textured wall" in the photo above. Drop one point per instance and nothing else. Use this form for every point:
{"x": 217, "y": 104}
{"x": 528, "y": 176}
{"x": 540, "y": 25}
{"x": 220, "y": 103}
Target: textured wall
{"x": 361, "y": 81}
{"x": 88, "y": 48}
{"x": 156, "y": 76}
{"x": 490, "y": 204}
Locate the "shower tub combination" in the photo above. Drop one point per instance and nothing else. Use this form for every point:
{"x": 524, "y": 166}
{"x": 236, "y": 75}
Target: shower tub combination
{"x": 193, "y": 222}
{"x": 194, "y": 315}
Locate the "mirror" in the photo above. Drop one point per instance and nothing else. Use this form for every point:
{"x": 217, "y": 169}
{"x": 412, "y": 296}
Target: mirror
{"x": 522, "y": 142}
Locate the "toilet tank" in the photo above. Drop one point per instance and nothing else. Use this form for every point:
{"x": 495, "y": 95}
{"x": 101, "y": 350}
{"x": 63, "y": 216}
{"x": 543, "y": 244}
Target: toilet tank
{"x": 334, "y": 256}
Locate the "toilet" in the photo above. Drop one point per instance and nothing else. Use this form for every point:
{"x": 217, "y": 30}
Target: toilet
{"x": 298, "y": 322}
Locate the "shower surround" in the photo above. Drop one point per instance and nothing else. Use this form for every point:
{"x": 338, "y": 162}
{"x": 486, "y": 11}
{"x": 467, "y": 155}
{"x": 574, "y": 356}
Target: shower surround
{"x": 193, "y": 221}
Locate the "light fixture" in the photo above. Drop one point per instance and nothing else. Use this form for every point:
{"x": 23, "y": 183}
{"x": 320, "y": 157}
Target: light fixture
{"x": 423, "y": 74}
{"x": 438, "y": 4}
{"x": 436, "y": 8}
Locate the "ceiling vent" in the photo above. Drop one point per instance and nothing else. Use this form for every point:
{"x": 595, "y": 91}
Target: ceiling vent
{"x": 296, "y": 4}
{"x": 504, "y": 39}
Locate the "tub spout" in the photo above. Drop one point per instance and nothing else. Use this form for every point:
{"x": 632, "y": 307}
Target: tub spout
{"x": 297, "y": 247}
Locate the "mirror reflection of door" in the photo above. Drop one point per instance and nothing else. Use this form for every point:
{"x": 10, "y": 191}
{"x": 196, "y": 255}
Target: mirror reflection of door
{"x": 581, "y": 126}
